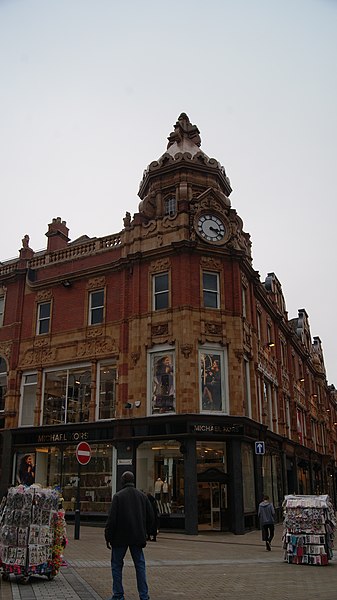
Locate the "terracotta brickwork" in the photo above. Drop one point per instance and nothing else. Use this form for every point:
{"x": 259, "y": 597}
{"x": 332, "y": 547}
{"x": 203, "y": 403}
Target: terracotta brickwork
{"x": 267, "y": 353}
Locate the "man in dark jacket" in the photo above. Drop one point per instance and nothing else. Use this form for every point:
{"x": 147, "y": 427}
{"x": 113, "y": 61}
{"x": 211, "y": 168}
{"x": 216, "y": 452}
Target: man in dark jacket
{"x": 129, "y": 523}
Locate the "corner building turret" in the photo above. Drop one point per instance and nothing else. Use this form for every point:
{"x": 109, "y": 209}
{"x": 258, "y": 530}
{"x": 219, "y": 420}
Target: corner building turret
{"x": 160, "y": 347}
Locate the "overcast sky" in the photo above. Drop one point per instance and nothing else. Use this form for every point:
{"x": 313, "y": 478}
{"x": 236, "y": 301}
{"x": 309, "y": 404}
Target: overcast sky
{"x": 90, "y": 90}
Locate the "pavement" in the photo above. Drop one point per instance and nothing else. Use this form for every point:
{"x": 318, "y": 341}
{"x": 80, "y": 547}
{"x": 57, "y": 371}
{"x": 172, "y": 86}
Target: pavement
{"x": 212, "y": 565}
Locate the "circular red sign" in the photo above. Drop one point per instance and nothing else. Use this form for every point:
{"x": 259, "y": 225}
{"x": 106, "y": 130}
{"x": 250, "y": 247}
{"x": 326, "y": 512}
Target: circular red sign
{"x": 83, "y": 453}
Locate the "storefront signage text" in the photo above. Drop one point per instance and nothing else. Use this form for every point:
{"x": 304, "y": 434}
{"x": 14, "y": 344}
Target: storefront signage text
{"x": 203, "y": 428}
{"x": 69, "y": 436}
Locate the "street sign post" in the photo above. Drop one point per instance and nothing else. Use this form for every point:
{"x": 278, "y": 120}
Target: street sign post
{"x": 83, "y": 455}
{"x": 260, "y": 448}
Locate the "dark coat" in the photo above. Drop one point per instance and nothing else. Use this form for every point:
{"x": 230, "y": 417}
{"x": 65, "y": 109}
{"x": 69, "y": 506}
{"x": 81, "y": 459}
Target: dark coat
{"x": 130, "y": 518}
{"x": 155, "y": 522}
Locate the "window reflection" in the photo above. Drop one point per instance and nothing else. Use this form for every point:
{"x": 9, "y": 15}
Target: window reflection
{"x": 67, "y": 396}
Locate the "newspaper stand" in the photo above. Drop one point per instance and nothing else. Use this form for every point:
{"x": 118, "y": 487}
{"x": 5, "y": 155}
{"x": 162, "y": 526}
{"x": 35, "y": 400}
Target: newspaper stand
{"x": 309, "y": 525}
{"x": 32, "y": 533}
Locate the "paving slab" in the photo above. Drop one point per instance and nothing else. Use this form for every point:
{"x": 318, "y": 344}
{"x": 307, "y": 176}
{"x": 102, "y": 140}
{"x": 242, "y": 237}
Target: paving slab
{"x": 216, "y": 566}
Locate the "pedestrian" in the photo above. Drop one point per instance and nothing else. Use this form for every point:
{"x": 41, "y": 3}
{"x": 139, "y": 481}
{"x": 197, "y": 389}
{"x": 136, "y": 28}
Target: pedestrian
{"x": 129, "y": 522}
{"x": 152, "y": 536}
{"x": 266, "y": 515}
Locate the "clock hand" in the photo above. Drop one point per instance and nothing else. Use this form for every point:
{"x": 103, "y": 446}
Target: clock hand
{"x": 215, "y": 230}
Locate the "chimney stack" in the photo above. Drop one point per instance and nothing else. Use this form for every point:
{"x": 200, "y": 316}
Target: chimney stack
{"x": 57, "y": 235}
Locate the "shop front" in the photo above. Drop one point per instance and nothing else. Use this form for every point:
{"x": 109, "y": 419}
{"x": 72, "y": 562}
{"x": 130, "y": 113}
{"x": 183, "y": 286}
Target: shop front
{"x": 201, "y": 470}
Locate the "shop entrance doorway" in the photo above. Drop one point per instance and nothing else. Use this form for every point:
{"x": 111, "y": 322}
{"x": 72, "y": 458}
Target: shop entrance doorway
{"x": 212, "y": 506}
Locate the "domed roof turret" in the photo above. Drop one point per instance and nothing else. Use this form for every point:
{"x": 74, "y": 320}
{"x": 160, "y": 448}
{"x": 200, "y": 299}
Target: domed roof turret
{"x": 183, "y": 150}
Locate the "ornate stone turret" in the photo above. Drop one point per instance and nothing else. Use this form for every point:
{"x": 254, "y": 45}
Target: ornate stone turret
{"x": 183, "y": 172}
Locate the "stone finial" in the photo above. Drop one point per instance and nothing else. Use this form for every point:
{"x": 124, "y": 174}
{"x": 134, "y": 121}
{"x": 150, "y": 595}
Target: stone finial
{"x": 127, "y": 219}
{"x": 25, "y": 241}
{"x": 184, "y": 129}
{"x": 26, "y": 252}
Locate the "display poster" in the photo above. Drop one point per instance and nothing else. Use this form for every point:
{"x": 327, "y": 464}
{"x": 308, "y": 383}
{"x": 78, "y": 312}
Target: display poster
{"x": 25, "y": 468}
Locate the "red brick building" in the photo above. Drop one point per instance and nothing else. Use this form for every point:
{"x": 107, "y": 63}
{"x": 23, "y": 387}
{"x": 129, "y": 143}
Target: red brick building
{"x": 161, "y": 347}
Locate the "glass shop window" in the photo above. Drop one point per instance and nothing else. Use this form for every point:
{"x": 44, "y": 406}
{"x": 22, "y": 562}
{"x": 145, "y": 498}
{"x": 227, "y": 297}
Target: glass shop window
{"x": 160, "y": 471}
{"x": 95, "y": 480}
{"x": 213, "y": 378}
{"x": 107, "y": 392}
{"x": 162, "y": 375}
{"x": 28, "y": 404}
{"x": 67, "y": 396}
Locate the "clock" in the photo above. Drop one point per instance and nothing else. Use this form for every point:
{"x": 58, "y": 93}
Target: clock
{"x": 211, "y": 228}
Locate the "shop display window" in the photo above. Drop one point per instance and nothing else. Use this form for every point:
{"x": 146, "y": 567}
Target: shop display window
{"x": 162, "y": 382}
{"x": 107, "y": 391}
{"x": 29, "y": 387}
{"x": 95, "y": 479}
{"x": 38, "y": 465}
{"x": 212, "y": 380}
{"x": 272, "y": 482}
{"x": 160, "y": 472}
{"x": 67, "y": 396}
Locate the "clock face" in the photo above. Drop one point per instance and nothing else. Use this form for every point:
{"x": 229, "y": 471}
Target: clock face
{"x": 211, "y": 228}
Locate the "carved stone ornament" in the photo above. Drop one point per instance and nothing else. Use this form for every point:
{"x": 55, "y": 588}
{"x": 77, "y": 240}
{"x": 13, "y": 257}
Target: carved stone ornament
{"x": 135, "y": 356}
{"x": 43, "y": 295}
{"x": 96, "y": 348}
{"x": 208, "y": 262}
{"x": 213, "y": 328}
{"x": 38, "y": 357}
{"x": 94, "y": 332}
{"x": 211, "y": 203}
{"x": 41, "y": 342}
{"x": 5, "y": 349}
{"x": 239, "y": 354}
{"x": 159, "y": 330}
{"x": 168, "y": 221}
{"x": 186, "y": 350}
{"x": 160, "y": 265}
{"x": 96, "y": 283}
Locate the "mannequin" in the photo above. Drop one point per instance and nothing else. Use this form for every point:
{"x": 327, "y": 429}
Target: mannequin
{"x": 165, "y": 490}
{"x": 157, "y": 488}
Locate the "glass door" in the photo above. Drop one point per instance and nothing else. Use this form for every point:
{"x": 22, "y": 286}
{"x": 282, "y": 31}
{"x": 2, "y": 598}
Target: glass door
{"x": 215, "y": 500}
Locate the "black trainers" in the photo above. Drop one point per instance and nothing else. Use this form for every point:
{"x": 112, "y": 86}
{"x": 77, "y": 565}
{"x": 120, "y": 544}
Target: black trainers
{"x": 268, "y": 546}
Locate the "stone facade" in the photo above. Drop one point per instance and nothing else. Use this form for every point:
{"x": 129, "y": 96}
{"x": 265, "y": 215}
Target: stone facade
{"x": 185, "y": 227}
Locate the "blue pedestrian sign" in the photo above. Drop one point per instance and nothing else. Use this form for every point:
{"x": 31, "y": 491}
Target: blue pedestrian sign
{"x": 259, "y": 448}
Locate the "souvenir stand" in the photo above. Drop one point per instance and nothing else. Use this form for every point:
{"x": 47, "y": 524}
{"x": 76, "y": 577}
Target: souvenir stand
{"x": 309, "y": 524}
{"x": 32, "y": 532}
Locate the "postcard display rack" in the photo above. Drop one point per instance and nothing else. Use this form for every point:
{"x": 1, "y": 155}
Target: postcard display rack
{"x": 309, "y": 524}
{"x": 32, "y": 532}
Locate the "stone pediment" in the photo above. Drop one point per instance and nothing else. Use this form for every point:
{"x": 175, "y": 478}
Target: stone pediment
{"x": 213, "y": 199}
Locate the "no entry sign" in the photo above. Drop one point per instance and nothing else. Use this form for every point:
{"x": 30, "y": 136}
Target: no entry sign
{"x": 83, "y": 453}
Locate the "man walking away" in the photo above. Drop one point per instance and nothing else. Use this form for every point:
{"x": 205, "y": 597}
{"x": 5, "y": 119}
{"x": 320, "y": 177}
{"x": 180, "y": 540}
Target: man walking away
{"x": 266, "y": 515}
{"x": 129, "y": 522}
